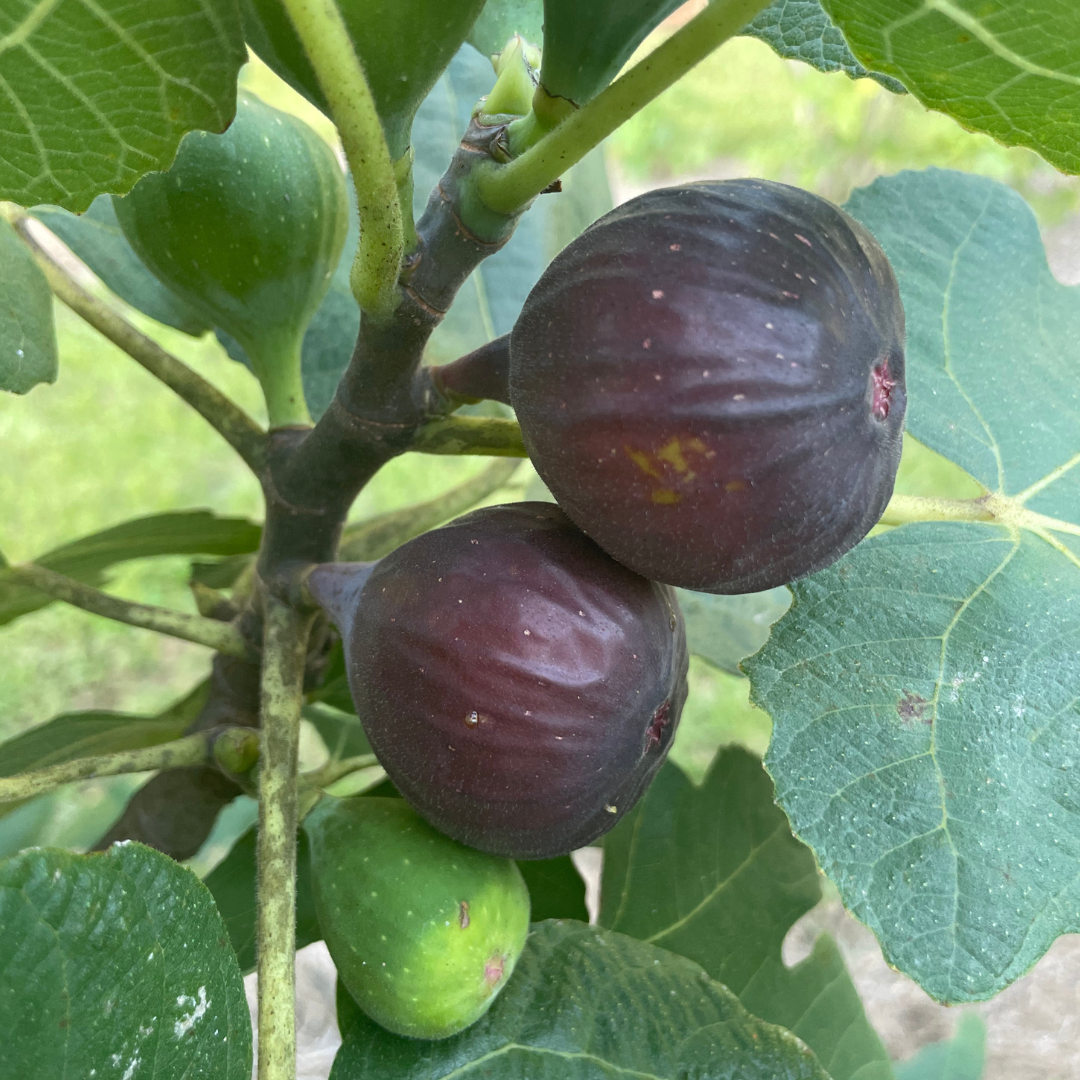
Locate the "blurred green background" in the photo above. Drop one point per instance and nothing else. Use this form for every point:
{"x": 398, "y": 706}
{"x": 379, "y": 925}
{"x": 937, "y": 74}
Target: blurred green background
{"x": 107, "y": 443}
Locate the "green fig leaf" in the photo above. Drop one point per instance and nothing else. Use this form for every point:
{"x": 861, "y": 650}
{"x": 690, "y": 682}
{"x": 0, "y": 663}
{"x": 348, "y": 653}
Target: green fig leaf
{"x": 960, "y": 1058}
{"x": 188, "y": 532}
{"x": 232, "y": 885}
{"x": 404, "y": 45}
{"x": 97, "y": 239}
{"x": 28, "y": 354}
{"x": 556, "y": 889}
{"x": 586, "y": 45}
{"x": 489, "y": 302}
{"x": 341, "y": 731}
{"x": 120, "y": 963}
{"x": 501, "y": 19}
{"x": 726, "y": 629}
{"x": 714, "y": 874}
{"x": 801, "y": 30}
{"x": 924, "y": 689}
{"x": 1007, "y": 69}
{"x": 584, "y": 1003}
{"x": 99, "y": 93}
{"x": 86, "y": 734}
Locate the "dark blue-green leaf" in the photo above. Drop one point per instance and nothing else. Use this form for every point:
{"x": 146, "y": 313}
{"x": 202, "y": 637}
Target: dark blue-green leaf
{"x": 726, "y": 629}
{"x": 28, "y": 354}
{"x": 582, "y": 1004}
{"x": 116, "y": 965}
{"x": 925, "y": 690}
{"x": 959, "y": 1058}
{"x": 801, "y": 30}
{"x": 714, "y": 874}
{"x": 186, "y": 532}
{"x": 501, "y": 19}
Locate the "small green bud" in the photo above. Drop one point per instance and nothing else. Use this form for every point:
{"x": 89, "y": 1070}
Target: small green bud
{"x": 513, "y": 91}
{"x": 237, "y": 749}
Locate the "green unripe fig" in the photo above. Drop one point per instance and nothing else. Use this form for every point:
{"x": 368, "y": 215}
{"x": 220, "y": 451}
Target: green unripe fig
{"x": 404, "y": 46}
{"x": 248, "y": 228}
{"x": 424, "y": 931}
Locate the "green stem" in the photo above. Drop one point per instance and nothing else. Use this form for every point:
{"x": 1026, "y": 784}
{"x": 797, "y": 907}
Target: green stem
{"x": 333, "y": 771}
{"x": 908, "y": 509}
{"x": 369, "y": 540}
{"x": 224, "y": 415}
{"x": 190, "y": 750}
{"x": 221, "y": 637}
{"x": 470, "y": 435}
{"x": 280, "y": 375}
{"x": 284, "y": 653}
{"x": 341, "y": 77}
{"x": 507, "y": 188}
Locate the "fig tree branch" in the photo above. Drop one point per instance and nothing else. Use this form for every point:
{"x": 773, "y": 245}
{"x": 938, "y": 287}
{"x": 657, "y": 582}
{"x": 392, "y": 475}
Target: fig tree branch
{"x": 284, "y": 653}
{"x": 508, "y": 188}
{"x": 488, "y": 435}
{"x": 372, "y": 539}
{"x": 381, "y": 399}
{"x": 221, "y": 637}
{"x": 326, "y": 41}
{"x": 190, "y": 750}
{"x": 224, "y": 415}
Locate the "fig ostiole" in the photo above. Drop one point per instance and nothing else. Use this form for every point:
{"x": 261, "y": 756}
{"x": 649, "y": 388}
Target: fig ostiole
{"x": 520, "y": 687}
{"x": 424, "y": 931}
{"x": 248, "y": 228}
{"x": 710, "y": 381}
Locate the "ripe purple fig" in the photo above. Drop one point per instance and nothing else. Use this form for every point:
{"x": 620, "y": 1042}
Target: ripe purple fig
{"x": 519, "y": 686}
{"x": 710, "y": 380}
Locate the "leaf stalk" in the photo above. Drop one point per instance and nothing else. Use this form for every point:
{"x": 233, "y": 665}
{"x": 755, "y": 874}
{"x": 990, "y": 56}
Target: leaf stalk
{"x": 221, "y": 637}
{"x": 191, "y": 750}
{"x": 226, "y": 417}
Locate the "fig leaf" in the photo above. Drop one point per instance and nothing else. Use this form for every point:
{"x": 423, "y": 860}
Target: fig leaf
{"x": 585, "y": 1002}
{"x": 714, "y": 874}
{"x": 28, "y": 354}
{"x": 98, "y": 94}
{"x": 1008, "y": 70}
{"x": 120, "y": 962}
{"x": 925, "y": 688}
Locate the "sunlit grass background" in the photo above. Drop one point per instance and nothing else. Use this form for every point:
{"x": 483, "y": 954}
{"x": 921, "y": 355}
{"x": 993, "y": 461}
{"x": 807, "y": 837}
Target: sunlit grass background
{"x": 107, "y": 443}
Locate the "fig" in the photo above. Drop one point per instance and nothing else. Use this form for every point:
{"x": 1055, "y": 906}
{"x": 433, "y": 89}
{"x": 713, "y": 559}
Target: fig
{"x": 520, "y": 687}
{"x": 404, "y": 45}
{"x": 710, "y": 381}
{"x": 424, "y": 931}
{"x": 248, "y": 228}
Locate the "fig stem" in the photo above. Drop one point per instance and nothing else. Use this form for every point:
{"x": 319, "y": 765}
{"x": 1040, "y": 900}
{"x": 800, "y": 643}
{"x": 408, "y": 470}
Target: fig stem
{"x": 333, "y": 771}
{"x": 190, "y": 750}
{"x": 279, "y": 373}
{"x": 507, "y": 188}
{"x": 226, "y": 417}
{"x": 325, "y": 38}
{"x": 909, "y": 509}
{"x": 221, "y": 637}
{"x": 378, "y": 536}
{"x": 488, "y": 435}
{"x": 284, "y": 653}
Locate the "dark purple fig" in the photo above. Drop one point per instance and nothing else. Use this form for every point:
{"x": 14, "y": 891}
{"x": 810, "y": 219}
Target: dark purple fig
{"x": 710, "y": 380}
{"x": 519, "y": 686}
